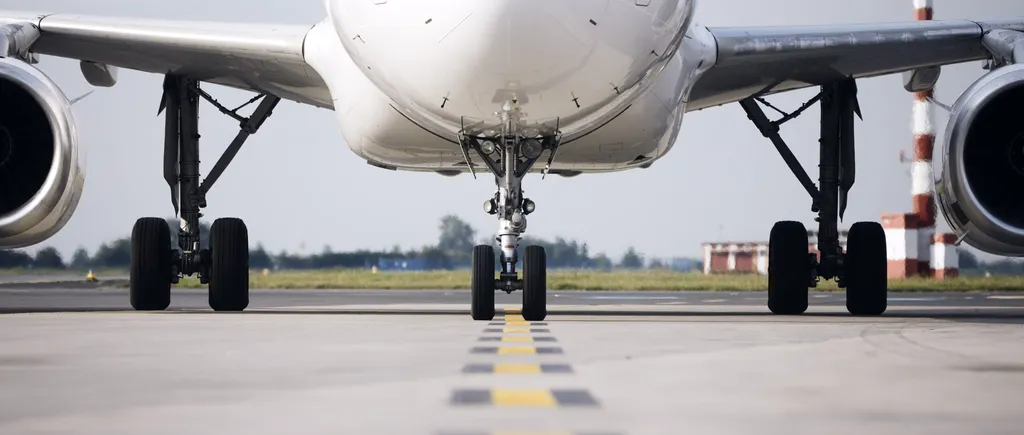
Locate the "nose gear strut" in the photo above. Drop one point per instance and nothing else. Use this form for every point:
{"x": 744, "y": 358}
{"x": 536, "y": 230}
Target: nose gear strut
{"x": 509, "y": 155}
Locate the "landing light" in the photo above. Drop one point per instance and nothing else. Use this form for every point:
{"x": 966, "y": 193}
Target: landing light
{"x": 528, "y": 206}
{"x": 489, "y": 206}
{"x": 487, "y": 147}
{"x": 531, "y": 148}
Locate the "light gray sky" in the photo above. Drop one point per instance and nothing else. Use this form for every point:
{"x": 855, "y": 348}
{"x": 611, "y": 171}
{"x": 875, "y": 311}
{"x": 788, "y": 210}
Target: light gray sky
{"x": 297, "y": 184}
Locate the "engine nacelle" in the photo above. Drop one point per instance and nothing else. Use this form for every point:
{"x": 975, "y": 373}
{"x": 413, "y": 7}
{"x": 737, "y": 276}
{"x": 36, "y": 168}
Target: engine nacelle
{"x": 42, "y": 168}
{"x": 982, "y": 181}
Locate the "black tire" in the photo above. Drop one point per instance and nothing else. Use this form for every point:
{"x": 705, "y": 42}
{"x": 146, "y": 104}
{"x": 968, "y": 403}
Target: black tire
{"x": 867, "y": 285}
{"x": 229, "y": 265}
{"x": 149, "y": 281}
{"x": 535, "y": 283}
{"x": 789, "y": 272}
{"x": 481, "y": 305}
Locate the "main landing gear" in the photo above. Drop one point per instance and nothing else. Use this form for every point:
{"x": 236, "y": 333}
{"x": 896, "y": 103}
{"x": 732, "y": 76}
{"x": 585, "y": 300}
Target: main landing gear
{"x": 861, "y": 269}
{"x": 509, "y": 154}
{"x": 155, "y": 265}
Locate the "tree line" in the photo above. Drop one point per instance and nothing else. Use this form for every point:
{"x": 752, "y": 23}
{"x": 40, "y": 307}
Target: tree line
{"x": 453, "y": 250}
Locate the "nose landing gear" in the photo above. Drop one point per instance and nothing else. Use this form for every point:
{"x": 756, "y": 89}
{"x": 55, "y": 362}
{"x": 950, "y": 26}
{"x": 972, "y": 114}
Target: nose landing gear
{"x": 509, "y": 156}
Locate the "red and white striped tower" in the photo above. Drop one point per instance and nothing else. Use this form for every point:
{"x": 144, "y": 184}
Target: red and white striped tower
{"x": 921, "y": 170}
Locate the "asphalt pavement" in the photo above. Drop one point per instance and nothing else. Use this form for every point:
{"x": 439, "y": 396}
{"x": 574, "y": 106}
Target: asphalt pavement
{"x": 77, "y": 360}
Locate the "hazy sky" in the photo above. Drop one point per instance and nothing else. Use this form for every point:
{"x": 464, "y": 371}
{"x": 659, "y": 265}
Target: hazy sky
{"x": 296, "y": 183}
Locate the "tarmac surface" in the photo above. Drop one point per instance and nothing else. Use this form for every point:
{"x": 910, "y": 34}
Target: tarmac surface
{"x": 76, "y": 359}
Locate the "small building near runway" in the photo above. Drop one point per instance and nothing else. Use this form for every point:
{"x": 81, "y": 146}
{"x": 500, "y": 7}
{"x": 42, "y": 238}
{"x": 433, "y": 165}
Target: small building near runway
{"x": 736, "y": 257}
{"x": 749, "y": 257}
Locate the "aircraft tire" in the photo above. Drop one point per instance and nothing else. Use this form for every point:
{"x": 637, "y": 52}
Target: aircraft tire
{"x": 789, "y": 271}
{"x": 535, "y": 276}
{"x": 229, "y": 265}
{"x": 481, "y": 305}
{"x": 866, "y": 270}
{"x": 149, "y": 281}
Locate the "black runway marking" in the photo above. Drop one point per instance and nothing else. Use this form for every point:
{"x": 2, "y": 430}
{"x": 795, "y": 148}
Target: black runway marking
{"x": 532, "y": 330}
{"x": 517, "y": 369}
{"x": 471, "y": 397}
{"x": 574, "y": 398}
{"x": 499, "y": 338}
{"x": 516, "y": 350}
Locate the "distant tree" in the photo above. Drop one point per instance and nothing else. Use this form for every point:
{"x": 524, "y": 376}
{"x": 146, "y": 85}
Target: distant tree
{"x": 631, "y": 259}
{"x": 1005, "y": 267}
{"x": 656, "y": 263}
{"x": 259, "y": 259}
{"x": 601, "y": 262}
{"x": 967, "y": 259}
{"x": 456, "y": 239}
{"x": 10, "y": 259}
{"x": 436, "y": 258}
{"x": 48, "y": 258}
{"x": 80, "y": 259}
{"x": 115, "y": 254}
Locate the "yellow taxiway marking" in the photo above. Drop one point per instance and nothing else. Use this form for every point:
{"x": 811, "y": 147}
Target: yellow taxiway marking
{"x": 523, "y": 398}
{"x": 516, "y": 330}
{"x": 517, "y": 369}
{"x": 520, "y": 339}
{"x": 514, "y": 318}
{"x": 512, "y": 310}
{"x": 519, "y": 350}
{"x": 517, "y": 323}
{"x": 521, "y": 432}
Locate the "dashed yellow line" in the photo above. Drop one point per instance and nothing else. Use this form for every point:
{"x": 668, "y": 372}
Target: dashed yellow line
{"x": 526, "y": 432}
{"x": 517, "y": 369}
{"x": 534, "y": 398}
{"x": 517, "y": 330}
{"x": 517, "y": 350}
{"x": 541, "y": 398}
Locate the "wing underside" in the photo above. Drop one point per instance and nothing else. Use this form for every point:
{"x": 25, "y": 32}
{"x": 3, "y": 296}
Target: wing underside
{"x": 750, "y": 61}
{"x": 256, "y": 57}
{"x": 764, "y": 60}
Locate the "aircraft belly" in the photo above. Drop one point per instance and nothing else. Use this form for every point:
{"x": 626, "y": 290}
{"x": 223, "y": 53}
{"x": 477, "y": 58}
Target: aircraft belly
{"x": 572, "y": 62}
{"x": 386, "y": 134}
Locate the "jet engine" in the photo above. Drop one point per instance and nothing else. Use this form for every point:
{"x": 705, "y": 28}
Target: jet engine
{"x": 41, "y": 164}
{"x": 981, "y": 188}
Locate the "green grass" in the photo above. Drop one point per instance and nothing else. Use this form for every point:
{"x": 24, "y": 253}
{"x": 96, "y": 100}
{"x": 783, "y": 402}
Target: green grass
{"x": 61, "y": 272}
{"x": 586, "y": 280}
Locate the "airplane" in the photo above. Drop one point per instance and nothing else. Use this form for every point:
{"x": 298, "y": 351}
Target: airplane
{"x": 507, "y": 88}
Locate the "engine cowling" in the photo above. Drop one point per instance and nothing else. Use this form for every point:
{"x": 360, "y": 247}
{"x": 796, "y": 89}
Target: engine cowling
{"x": 982, "y": 181}
{"x": 42, "y": 167}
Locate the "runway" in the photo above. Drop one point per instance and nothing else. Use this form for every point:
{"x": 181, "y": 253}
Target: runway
{"x": 76, "y": 360}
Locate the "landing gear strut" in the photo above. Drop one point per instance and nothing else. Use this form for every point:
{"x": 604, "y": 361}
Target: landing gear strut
{"x": 509, "y": 154}
{"x": 861, "y": 269}
{"x": 225, "y": 264}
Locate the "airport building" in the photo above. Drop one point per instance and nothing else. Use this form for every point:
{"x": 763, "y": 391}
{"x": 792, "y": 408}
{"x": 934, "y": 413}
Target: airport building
{"x": 912, "y": 249}
{"x": 749, "y": 257}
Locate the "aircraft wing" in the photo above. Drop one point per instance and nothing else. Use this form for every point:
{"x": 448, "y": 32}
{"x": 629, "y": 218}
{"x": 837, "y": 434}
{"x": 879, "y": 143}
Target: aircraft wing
{"x": 765, "y": 60}
{"x": 257, "y": 57}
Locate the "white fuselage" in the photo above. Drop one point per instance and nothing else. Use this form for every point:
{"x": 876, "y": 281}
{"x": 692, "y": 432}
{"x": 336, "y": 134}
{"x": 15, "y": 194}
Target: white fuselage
{"x": 406, "y": 76}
